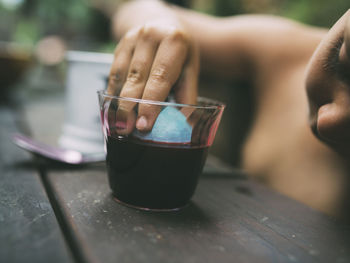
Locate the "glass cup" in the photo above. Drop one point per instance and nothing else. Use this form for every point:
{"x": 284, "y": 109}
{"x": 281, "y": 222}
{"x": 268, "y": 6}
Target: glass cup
{"x": 156, "y": 169}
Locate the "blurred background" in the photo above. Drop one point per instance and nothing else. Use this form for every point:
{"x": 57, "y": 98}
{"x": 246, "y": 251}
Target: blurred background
{"x": 34, "y": 35}
{"x": 84, "y": 24}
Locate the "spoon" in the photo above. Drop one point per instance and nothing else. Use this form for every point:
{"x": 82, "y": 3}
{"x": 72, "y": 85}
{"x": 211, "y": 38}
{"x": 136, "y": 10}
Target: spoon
{"x": 56, "y": 153}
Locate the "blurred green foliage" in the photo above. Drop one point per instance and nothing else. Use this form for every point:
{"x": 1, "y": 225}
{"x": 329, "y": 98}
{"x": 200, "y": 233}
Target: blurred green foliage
{"x": 79, "y": 23}
{"x": 85, "y": 27}
{"x": 316, "y": 12}
{"x": 322, "y": 13}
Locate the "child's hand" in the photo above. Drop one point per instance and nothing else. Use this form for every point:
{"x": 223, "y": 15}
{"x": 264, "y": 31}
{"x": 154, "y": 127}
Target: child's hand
{"x": 148, "y": 62}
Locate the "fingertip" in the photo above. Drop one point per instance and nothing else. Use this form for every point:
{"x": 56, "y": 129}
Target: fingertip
{"x": 141, "y": 123}
{"x": 125, "y": 122}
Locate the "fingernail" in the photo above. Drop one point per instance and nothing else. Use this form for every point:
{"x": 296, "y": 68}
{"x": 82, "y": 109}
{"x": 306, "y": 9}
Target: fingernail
{"x": 141, "y": 123}
{"x": 121, "y": 125}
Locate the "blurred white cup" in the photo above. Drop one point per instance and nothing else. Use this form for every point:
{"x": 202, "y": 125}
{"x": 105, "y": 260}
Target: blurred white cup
{"x": 86, "y": 74}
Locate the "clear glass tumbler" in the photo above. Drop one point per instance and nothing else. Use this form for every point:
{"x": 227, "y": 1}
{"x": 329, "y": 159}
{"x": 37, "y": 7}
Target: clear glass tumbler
{"x": 157, "y": 169}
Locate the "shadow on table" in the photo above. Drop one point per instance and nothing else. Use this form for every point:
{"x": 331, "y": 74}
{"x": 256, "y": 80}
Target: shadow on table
{"x": 47, "y": 164}
{"x": 190, "y": 217}
{"x": 235, "y": 174}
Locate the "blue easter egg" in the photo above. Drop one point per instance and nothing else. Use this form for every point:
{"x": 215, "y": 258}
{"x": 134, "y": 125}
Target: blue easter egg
{"x": 171, "y": 126}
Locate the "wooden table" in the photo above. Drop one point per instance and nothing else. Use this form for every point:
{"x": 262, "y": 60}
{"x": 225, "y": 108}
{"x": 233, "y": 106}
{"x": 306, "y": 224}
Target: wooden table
{"x": 55, "y": 213}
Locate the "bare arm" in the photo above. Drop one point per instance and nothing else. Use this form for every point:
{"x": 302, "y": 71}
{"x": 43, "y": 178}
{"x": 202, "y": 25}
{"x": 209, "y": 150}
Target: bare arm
{"x": 234, "y": 47}
{"x": 244, "y": 46}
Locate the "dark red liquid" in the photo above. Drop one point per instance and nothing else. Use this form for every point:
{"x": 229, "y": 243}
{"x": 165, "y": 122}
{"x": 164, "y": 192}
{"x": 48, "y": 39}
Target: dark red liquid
{"x": 151, "y": 175}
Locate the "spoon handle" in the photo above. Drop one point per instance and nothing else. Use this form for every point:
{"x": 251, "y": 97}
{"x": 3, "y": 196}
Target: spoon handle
{"x": 55, "y": 153}
{"x": 36, "y": 147}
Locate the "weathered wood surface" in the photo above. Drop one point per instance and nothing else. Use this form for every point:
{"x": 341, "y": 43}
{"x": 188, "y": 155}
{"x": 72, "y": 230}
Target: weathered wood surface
{"x": 230, "y": 219}
{"x": 29, "y": 231}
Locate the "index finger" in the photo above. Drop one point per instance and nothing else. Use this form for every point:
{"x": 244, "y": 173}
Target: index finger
{"x": 166, "y": 69}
